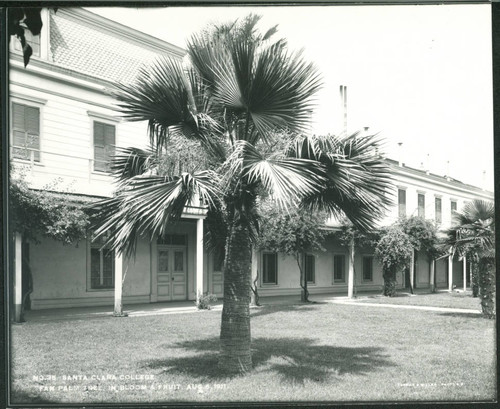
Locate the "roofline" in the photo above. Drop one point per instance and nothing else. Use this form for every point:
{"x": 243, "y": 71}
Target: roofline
{"x": 118, "y": 28}
{"x": 435, "y": 178}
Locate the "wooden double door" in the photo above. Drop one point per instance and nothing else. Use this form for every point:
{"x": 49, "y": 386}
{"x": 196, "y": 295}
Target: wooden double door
{"x": 172, "y": 273}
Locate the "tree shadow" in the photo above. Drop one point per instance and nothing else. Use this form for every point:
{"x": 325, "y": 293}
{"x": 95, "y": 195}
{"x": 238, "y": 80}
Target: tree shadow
{"x": 295, "y": 360}
{"x": 463, "y": 315}
{"x": 273, "y": 308}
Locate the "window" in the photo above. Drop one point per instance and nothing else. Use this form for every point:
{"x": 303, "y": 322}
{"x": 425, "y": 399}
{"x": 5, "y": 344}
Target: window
{"x": 270, "y": 268}
{"x": 368, "y": 268}
{"x": 421, "y": 205}
{"x": 453, "y": 208}
{"x": 104, "y": 141}
{"x": 309, "y": 268}
{"x": 339, "y": 268}
{"x": 437, "y": 212}
{"x": 173, "y": 239}
{"x": 102, "y": 266}
{"x": 32, "y": 40}
{"x": 25, "y": 132}
{"x": 401, "y": 203}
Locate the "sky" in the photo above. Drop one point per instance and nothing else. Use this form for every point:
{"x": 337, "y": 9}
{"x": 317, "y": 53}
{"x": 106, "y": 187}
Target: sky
{"x": 420, "y": 75}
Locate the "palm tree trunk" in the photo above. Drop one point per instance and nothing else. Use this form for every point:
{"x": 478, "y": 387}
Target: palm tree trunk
{"x": 487, "y": 286}
{"x": 235, "y": 355}
{"x": 474, "y": 277}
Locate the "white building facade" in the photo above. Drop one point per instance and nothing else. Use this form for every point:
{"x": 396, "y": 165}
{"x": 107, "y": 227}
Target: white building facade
{"x": 63, "y": 129}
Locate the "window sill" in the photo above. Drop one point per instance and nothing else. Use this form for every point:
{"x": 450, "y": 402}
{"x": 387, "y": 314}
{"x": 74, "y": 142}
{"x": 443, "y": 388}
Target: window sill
{"x": 100, "y": 290}
{"x": 27, "y": 162}
{"x": 100, "y": 173}
{"x": 269, "y": 285}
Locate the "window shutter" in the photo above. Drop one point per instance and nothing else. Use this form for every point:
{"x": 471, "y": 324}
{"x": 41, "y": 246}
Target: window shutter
{"x": 18, "y": 117}
{"x": 99, "y": 158}
{"x": 32, "y": 116}
{"x": 104, "y": 141}
{"x": 109, "y": 135}
{"x": 98, "y": 134}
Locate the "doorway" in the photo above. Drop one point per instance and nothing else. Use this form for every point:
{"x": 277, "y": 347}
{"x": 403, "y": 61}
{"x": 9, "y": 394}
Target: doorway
{"x": 171, "y": 273}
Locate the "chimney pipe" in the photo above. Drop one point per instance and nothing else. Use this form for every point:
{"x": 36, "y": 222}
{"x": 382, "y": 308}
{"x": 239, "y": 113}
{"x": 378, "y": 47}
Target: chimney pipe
{"x": 400, "y": 153}
{"x": 343, "y": 102}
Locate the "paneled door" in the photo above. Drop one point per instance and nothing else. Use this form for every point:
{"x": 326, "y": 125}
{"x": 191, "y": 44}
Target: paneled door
{"x": 172, "y": 273}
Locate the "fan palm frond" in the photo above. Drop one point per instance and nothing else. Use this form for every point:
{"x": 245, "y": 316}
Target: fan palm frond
{"x": 146, "y": 203}
{"x": 473, "y": 229}
{"x": 161, "y": 96}
{"x": 357, "y": 182}
{"x": 285, "y": 179}
{"x": 130, "y": 162}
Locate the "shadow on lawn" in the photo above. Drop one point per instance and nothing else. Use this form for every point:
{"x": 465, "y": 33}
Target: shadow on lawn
{"x": 267, "y": 309}
{"x": 296, "y": 360}
{"x": 463, "y": 315}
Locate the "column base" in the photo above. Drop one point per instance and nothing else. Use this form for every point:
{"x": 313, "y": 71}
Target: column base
{"x": 18, "y": 313}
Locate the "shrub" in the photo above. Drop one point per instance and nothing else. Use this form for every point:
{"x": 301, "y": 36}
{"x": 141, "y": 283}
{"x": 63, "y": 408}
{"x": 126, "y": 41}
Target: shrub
{"x": 204, "y": 300}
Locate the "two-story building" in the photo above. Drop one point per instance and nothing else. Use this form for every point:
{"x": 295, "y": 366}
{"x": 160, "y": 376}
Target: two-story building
{"x": 63, "y": 130}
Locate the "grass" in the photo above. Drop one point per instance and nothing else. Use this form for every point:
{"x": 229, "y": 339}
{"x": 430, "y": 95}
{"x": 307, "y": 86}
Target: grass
{"x": 440, "y": 299}
{"x": 315, "y": 352}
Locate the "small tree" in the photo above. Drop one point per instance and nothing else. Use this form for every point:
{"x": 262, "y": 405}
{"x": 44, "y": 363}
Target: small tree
{"x": 294, "y": 233}
{"x": 423, "y": 237}
{"x": 394, "y": 251}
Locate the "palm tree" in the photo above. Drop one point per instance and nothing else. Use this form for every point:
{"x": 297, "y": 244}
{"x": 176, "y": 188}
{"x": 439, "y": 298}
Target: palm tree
{"x": 473, "y": 235}
{"x": 238, "y": 95}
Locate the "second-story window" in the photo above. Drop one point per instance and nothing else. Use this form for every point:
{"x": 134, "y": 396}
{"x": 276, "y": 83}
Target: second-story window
{"x": 25, "y": 132}
{"x": 453, "y": 205}
{"x": 401, "y": 203}
{"x": 421, "y": 205}
{"x": 104, "y": 145}
{"x": 438, "y": 210}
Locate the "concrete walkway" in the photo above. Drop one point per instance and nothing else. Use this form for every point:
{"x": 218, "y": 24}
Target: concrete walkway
{"x": 407, "y": 307}
{"x": 185, "y": 307}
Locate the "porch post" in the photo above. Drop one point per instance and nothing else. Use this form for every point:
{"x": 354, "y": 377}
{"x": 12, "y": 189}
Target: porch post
{"x": 450, "y": 273}
{"x": 432, "y": 275}
{"x": 350, "y": 278}
{"x": 254, "y": 296}
{"x": 464, "y": 266}
{"x": 412, "y": 270}
{"x": 118, "y": 312}
{"x": 199, "y": 259}
{"x": 18, "y": 277}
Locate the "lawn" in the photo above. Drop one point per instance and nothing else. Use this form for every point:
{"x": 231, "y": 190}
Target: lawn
{"x": 439, "y": 299}
{"x": 316, "y": 352}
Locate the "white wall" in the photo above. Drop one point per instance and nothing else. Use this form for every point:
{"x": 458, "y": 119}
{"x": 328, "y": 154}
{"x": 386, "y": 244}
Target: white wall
{"x": 66, "y": 131}
{"x": 60, "y": 276}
